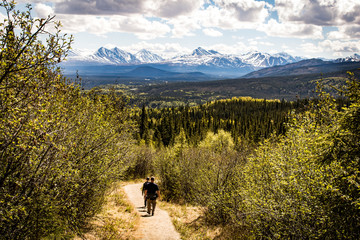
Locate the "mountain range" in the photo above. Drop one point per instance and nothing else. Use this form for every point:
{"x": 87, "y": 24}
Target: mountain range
{"x": 209, "y": 63}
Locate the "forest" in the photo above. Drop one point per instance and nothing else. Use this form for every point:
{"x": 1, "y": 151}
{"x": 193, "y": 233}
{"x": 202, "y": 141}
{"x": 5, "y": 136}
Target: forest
{"x": 258, "y": 168}
{"x": 247, "y": 119}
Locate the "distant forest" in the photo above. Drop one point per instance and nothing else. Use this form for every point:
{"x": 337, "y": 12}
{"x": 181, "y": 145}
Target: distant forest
{"x": 247, "y": 119}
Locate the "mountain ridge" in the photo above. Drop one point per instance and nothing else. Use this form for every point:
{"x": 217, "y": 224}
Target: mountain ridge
{"x": 199, "y": 56}
{"x": 308, "y": 66}
{"x": 209, "y": 62}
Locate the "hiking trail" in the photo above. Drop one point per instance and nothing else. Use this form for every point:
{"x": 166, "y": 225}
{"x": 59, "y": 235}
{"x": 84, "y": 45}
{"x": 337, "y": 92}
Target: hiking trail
{"x": 157, "y": 227}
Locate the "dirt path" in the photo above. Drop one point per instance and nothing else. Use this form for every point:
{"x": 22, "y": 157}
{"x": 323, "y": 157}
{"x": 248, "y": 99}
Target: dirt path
{"x": 157, "y": 227}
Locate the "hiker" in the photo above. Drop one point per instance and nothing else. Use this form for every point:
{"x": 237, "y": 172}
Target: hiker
{"x": 143, "y": 189}
{"x": 151, "y": 192}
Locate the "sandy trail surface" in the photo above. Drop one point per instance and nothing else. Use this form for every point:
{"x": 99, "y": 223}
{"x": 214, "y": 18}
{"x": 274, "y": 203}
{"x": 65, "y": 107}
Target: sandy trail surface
{"x": 157, "y": 227}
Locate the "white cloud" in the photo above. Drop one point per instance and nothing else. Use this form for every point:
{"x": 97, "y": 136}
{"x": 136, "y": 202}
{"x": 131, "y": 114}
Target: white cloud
{"x": 151, "y": 8}
{"x": 165, "y": 50}
{"x": 184, "y": 26}
{"x": 43, "y": 11}
{"x": 100, "y": 7}
{"x": 238, "y": 48}
{"x": 172, "y": 8}
{"x": 215, "y": 17}
{"x": 138, "y": 25}
{"x": 258, "y": 42}
{"x": 311, "y": 48}
{"x": 319, "y": 12}
{"x": 287, "y": 29}
{"x": 346, "y": 32}
{"x": 336, "y": 48}
{"x": 341, "y": 46}
{"x": 245, "y": 10}
{"x": 211, "y": 32}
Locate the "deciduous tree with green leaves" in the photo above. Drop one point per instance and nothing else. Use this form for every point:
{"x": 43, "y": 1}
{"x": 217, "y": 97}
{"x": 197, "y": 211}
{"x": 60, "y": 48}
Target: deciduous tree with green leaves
{"x": 59, "y": 148}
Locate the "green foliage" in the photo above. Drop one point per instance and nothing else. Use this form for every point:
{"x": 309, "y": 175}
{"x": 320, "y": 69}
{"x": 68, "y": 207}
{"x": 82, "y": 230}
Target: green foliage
{"x": 222, "y": 141}
{"x": 198, "y": 175}
{"x": 305, "y": 185}
{"x": 59, "y": 148}
{"x": 246, "y": 119}
{"x": 142, "y": 164}
{"x": 344, "y": 152}
{"x": 300, "y": 185}
{"x": 282, "y": 186}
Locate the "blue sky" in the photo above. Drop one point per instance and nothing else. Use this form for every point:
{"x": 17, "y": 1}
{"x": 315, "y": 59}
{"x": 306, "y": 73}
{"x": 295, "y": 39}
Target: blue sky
{"x": 307, "y": 28}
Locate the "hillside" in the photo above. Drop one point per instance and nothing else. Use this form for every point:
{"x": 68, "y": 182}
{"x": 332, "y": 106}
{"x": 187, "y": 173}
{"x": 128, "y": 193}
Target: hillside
{"x": 310, "y": 66}
{"x": 283, "y": 87}
{"x": 148, "y": 72}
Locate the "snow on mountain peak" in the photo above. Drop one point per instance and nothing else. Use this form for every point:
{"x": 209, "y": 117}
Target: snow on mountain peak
{"x": 148, "y": 57}
{"x": 259, "y": 59}
{"x": 198, "y": 57}
{"x": 202, "y": 52}
{"x": 353, "y": 58}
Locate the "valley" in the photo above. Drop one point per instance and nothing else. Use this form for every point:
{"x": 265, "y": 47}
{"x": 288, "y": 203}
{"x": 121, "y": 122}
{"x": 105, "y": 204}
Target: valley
{"x": 204, "y": 75}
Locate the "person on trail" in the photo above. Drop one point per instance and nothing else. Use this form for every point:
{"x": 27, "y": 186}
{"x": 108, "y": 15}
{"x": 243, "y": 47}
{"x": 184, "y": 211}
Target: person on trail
{"x": 143, "y": 189}
{"x": 152, "y": 192}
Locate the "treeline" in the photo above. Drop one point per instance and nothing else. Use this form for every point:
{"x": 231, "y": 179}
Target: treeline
{"x": 247, "y": 119}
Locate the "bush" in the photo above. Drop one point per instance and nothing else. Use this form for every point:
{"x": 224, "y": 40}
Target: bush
{"x": 305, "y": 185}
{"x": 59, "y": 147}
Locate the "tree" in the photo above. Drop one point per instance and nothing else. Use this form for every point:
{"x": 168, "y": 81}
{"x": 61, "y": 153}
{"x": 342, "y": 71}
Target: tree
{"x": 59, "y": 148}
{"x": 305, "y": 185}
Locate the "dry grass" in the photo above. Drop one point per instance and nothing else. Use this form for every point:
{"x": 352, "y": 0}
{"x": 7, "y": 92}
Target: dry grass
{"x": 190, "y": 222}
{"x": 117, "y": 220}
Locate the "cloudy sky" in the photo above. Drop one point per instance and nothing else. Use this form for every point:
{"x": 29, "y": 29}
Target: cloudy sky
{"x": 308, "y": 28}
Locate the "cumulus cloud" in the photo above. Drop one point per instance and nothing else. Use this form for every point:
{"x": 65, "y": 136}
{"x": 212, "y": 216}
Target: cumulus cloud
{"x": 212, "y": 32}
{"x": 311, "y": 48}
{"x": 245, "y": 10}
{"x": 319, "y": 12}
{"x": 184, "y": 26}
{"x": 237, "y": 48}
{"x": 340, "y": 46}
{"x": 43, "y": 11}
{"x": 257, "y": 42}
{"x": 172, "y": 8}
{"x": 274, "y": 28}
{"x": 156, "y": 8}
{"x": 138, "y": 25}
{"x": 100, "y": 7}
{"x": 352, "y": 31}
{"x": 216, "y": 17}
{"x": 220, "y": 16}
{"x": 345, "y": 32}
{"x": 336, "y": 47}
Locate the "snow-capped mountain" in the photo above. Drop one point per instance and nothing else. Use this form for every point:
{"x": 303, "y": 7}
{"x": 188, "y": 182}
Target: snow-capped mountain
{"x": 262, "y": 60}
{"x": 202, "y": 60}
{"x": 200, "y": 56}
{"x": 353, "y": 58}
{"x": 204, "y": 57}
{"x": 200, "y": 52}
{"x": 115, "y": 56}
{"x": 146, "y": 56}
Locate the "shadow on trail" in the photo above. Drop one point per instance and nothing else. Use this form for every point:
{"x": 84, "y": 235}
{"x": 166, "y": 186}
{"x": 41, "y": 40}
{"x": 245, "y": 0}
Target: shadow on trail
{"x": 157, "y": 227}
{"x": 141, "y": 209}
